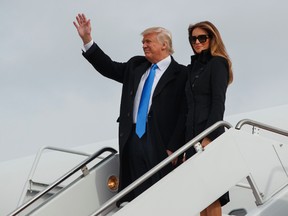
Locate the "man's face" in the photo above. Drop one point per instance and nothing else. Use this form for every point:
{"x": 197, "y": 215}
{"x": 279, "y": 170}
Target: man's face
{"x": 152, "y": 48}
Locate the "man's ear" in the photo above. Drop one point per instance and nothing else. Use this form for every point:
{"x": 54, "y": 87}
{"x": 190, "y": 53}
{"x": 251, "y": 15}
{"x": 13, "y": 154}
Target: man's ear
{"x": 164, "y": 46}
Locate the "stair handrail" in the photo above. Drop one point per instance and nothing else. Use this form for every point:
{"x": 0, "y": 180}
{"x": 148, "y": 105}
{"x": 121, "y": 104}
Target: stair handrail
{"x": 159, "y": 166}
{"x": 63, "y": 178}
{"x": 257, "y": 194}
{"x": 260, "y": 125}
{"x": 36, "y": 161}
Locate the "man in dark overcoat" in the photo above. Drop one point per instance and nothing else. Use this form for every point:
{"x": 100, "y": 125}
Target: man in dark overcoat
{"x": 165, "y": 121}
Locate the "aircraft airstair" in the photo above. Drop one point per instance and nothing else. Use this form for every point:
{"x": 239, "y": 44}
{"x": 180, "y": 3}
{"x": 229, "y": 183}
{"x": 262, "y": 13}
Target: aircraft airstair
{"x": 255, "y": 162}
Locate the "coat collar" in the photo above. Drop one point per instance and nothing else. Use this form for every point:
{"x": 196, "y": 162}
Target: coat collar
{"x": 203, "y": 57}
{"x": 168, "y": 75}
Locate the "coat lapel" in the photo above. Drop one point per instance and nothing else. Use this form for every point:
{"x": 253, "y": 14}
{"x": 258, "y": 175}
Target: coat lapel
{"x": 139, "y": 72}
{"x": 168, "y": 75}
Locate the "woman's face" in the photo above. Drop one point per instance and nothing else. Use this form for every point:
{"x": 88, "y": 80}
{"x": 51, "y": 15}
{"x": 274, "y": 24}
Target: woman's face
{"x": 200, "y": 40}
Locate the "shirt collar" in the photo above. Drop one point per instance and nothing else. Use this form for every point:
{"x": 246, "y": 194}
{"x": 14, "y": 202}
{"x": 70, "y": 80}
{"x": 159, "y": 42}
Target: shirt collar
{"x": 164, "y": 63}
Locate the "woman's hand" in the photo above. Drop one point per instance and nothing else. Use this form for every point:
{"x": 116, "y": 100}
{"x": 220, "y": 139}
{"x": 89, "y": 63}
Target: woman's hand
{"x": 205, "y": 142}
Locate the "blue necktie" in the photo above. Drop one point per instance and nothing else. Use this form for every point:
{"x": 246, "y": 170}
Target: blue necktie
{"x": 144, "y": 102}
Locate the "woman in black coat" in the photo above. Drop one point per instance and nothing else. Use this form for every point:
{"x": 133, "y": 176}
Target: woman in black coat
{"x": 210, "y": 73}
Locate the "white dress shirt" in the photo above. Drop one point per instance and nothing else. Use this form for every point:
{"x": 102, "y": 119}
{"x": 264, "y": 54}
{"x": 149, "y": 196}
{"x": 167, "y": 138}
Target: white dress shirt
{"x": 88, "y": 45}
{"x": 162, "y": 66}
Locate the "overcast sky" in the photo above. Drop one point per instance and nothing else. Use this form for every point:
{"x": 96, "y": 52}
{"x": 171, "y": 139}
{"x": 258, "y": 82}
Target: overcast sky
{"x": 50, "y": 95}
